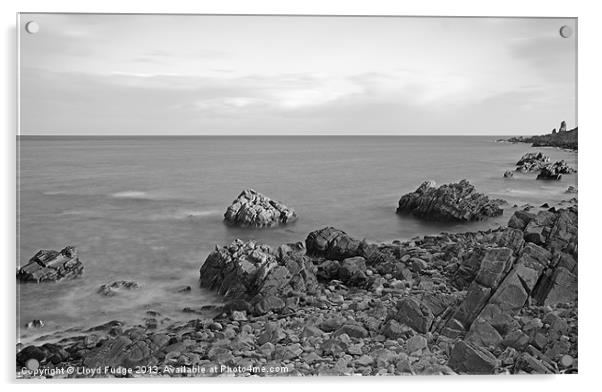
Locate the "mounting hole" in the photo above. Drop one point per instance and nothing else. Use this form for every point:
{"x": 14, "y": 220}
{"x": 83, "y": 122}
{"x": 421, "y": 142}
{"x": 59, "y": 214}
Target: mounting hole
{"x": 566, "y": 31}
{"x": 32, "y": 27}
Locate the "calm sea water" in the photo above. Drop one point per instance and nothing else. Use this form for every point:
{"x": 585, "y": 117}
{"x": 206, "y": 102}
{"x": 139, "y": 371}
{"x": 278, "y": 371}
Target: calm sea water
{"x": 150, "y": 209}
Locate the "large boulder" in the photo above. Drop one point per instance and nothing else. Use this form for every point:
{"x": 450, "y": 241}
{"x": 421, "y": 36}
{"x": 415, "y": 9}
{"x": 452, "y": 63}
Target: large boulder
{"x": 532, "y": 161}
{"x": 332, "y": 244}
{"x": 554, "y": 171}
{"x": 253, "y": 209}
{"x": 451, "y": 202}
{"x": 256, "y": 272}
{"x": 50, "y": 265}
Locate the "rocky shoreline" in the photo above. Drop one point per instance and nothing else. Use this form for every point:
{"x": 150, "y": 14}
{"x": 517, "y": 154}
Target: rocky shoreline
{"x": 501, "y": 301}
{"x": 563, "y": 138}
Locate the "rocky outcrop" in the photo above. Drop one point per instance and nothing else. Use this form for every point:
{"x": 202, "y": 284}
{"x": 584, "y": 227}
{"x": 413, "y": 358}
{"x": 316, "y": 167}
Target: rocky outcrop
{"x": 253, "y": 209}
{"x": 561, "y": 139}
{"x": 259, "y": 274}
{"x": 50, "y": 265}
{"x": 555, "y": 171}
{"x": 496, "y": 301}
{"x": 452, "y": 202}
{"x": 532, "y": 161}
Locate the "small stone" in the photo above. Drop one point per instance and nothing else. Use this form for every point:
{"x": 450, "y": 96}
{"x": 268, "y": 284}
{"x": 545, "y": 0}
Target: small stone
{"x": 566, "y": 361}
{"x": 416, "y": 343}
{"x": 365, "y": 360}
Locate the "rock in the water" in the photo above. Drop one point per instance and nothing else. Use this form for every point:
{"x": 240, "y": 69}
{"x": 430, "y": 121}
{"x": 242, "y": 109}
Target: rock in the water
{"x": 571, "y": 189}
{"x": 555, "y": 171}
{"x": 532, "y": 161}
{"x": 50, "y": 265}
{"x": 112, "y": 289}
{"x": 34, "y": 324}
{"x": 254, "y": 209}
{"x": 508, "y": 174}
{"x": 452, "y": 202}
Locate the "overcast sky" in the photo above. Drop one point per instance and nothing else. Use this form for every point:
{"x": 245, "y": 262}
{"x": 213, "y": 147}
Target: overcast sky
{"x": 143, "y": 74}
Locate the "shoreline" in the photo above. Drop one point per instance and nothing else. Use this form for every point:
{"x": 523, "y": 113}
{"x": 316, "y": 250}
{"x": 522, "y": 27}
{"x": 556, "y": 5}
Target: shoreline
{"x": 350, "y": 326}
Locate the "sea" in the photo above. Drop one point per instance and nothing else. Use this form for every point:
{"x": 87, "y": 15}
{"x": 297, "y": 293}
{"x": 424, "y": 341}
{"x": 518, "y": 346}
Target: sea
{"x": 150, "y": 209}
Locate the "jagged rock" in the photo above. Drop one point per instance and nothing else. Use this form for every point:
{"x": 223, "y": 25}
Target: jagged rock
{"x": 332, "y": 244}
{"x": 555, "y": 171}
{"x": 248, "y": 270}
{"x": 112, "y": 289}
{"x": 468, "y": 358}
{"x": 520, "y": 219}
{"x": 35, "y": 324}
{"x": 532, "y": 161}
{"x": 254, "y": 209}
{"x": 50, "y": 265}
{"x": 414, "y": 314}
{"x": 452, "y": 202}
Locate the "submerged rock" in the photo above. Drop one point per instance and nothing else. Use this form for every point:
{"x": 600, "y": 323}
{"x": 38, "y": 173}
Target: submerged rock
{"x": 253, "y": 209}
{"x": 50, "y": 265}
{"x": 451, "y": 202}
{"x": 112, "y": 289}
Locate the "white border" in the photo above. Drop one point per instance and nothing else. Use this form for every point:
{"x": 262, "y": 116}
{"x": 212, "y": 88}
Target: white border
{"x": 590, "y": 23}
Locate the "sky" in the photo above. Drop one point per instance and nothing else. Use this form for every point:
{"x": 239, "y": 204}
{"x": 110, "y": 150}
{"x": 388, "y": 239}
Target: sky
{"x": 86, "y": 74}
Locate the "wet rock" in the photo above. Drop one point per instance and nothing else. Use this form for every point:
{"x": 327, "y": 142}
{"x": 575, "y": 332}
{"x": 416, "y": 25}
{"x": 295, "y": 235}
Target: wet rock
{"x": 532, "y": 161}
{"x": 571, "y": 189}
{"x": 254, "y": 209}
{"x": 35, "y": 324}
{"x": 508, "y": 174}
{"x": 50, "y": 265}
{"x": 112, "y": 289}
{"x": 452, "y": 202}
{"x": 555, "y": 171}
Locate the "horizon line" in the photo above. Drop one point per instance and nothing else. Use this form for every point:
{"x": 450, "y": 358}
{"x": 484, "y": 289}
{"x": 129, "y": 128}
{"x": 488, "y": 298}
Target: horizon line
{"x": 266, "y": 134}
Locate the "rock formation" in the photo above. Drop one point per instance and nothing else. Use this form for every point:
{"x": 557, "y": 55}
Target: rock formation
{"x": 561, "y": 139}
{"x": 50, "y": 265}
{"x": 452, "y": 202}
{"x": 498, "y": 301}
{"x": 253, "y": 209}
{"x": 555, "y": 171}
{"x": 532, "y": 161}
{"x": 258, "y": 274}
